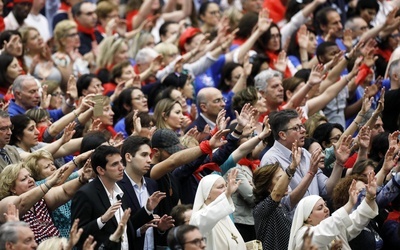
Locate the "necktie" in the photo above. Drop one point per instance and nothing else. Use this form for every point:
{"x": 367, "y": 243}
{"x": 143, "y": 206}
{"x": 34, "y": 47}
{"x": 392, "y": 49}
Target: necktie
{"x": 5, "y": 156}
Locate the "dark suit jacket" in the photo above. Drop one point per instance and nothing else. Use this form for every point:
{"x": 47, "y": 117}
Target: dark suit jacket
{"x": 199, "y": 122}
{"x": 13, "y": 154}
{"x": 91, "y": 202}
{"x": 132, "y": 201}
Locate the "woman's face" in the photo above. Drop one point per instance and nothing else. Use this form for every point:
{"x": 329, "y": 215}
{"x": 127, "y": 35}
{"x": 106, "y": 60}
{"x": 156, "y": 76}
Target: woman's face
{"x": 235, "y": 75}
{"x": 212, "y": 15}
{"x": 315, "y": 146}
{"x": 17, "y": 50}
{"x": 170, "y": 56}
{"x": 175, "y": 118}
{"x": 274, "y": 43}
{"x": 95, "y": 87}
{"x": 71, "y": 39}
{"x": 312, "y": 44}
{"x": 177, "y": 96}
{"x": 195, "y": 42}
{"x": 335, "y": 135}
{"x": 150, "y": 43}
{"x": 217, "y": 189}
{"x": 188, "y": 89}
{"x": 146, "y": 131}
{"x": 23, "y": 183}
{"x": 122, "y": 54}
{"x": 108, "y": 115}
{"x": 319, "y": 213}
{"x": 367, "y": 170}
{"x": 127, "y": 73}
{"x": 35, "y": 41}
{"x": 46, "y": 167}
{"x": 261, "y": 105}
{"x": 139, "y": 101}
{"x": 56, "y": 99}
{"x": 30, "y": 135}
{"x": 13, "y": 70}
{"x": 394, "y": 39}
{"x": 44, "y": 122}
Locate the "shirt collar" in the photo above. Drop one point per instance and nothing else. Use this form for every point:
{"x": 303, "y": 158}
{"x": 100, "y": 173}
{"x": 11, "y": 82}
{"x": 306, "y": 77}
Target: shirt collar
{"x": 117, "y": 191}
{"x": 285, "y": 151}
{"x": 134, "y": 183}
{"x": 211, "y": 123}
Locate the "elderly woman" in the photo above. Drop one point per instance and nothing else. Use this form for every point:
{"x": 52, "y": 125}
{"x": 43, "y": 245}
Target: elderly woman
{"x": 41, "y": 166}
{"x": 35, "y": 202}
{"x": 212, "y": 206}
{"x": 345, "y": 224}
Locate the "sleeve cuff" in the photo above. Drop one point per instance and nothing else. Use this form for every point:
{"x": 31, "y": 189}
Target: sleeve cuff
{"x": 148, "y": 211}
{"x": 99, "y": 223}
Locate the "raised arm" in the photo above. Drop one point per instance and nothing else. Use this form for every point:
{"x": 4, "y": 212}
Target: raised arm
{"x": 178, "y": 15}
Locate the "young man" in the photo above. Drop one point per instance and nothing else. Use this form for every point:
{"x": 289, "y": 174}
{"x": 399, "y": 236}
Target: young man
{"x": 186, "y": 237}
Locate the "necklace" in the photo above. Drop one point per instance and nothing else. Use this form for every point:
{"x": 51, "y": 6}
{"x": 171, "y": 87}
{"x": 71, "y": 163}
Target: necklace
{"x": 233, "y": 237}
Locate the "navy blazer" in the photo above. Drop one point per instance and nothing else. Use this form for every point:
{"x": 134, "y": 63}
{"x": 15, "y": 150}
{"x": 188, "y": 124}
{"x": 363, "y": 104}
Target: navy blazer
{"x": 199, "y": 122}
{"x": 91, "y": 202}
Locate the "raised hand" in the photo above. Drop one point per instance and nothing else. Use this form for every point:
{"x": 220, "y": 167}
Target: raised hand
{"x": 353, "y": 193}
{"x": 233, "y": 184}
{"x": 87, "y": 172}
{"x": 12, "y": 213}
{"x": 366, "y": 102}
{"x": 89, "y": 243}
{"x": 282, "y": 61}
{"x": 74, "y": 234}
{"x": 391, "y": 159}
{"x": 264, "y": 22}
{"x": 371, "y": 186}
{"x": 56, "y": 177}
{"x": 342, "y": 149}
{"x": 216, "y": 141}
{"x": 303, "y": 37}
{"x": 116, "y": 236}
{"x": 266, "y": 130}
{"x": 154, "y": 200}
{"x": 45, "y": 99}
{"x": 316, "y": 75}
{"x": 85, "y": 103}
{"x": 296, "y": 156}
{"x": 69, "y": 131}
{"x": 95, "y": 126}
{"x": 316, "y": 158}
{"x": 245, "y": 115}
{"x": 347, "y": 38}
{"x": 222, "y": 122}
{"x": 165, "y": 223}
{"x": 72, "y": 90}
{"x": 381, "y": 102}
{"x": 394, "y": 141}
{"x": 111, "y": 211}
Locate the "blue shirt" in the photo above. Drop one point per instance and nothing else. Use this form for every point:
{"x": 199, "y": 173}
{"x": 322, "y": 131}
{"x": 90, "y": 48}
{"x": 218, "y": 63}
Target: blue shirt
{"x": 211, "y": 77}
{"x": 120, "y": 127}
{"x": 15, "y": 109}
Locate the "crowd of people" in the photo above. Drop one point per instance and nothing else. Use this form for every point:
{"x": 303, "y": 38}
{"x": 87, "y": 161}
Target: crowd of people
{"x": 191, "y": 124}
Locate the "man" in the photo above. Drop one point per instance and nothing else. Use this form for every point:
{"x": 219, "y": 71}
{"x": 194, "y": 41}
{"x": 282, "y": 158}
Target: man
{"x": 358, "y": 27}
{"x": 37, "y": 20}
{"x": 16, "y": 235}
{"x": 26, "y": 96}
{"x": 209, "y": 102}
{"x": 99, "y": 204}
{"x": 391, "y": 112}
{"x": 9, "y": 154}
{"x": 16, "y": 18}
{"x": 269, "y": 84}
{"x": 287, "y": 128}
{"x": 186, "y": 237}
{"x": 169, "y": 31}
{"x": 136, "y": 153}
{"x": 85, "y": 17}
{"x": 330, "y": 26}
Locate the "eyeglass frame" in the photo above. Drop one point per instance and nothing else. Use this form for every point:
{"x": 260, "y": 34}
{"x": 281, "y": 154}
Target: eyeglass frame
{"x": 196, "y": 241}
{"x": 297, "y": 128}
{"x": 6, "y": 128}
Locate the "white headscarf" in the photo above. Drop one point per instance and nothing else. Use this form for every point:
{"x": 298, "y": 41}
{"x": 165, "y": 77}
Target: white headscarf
{"x": 203, "y": 191}
{"x": 303, "y": 211}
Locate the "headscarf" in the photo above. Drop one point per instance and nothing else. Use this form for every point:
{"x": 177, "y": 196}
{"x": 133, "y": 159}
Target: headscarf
{"x": 303, "y": 211}
{"x": 203, "y": 191}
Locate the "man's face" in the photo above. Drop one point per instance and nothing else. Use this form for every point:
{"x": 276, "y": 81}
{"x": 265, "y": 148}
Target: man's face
{"x": 21, "y": 10}
{"x": 87, "y": 18}
{"x": 274, "y": 92}
{"x": 334, "y": 24}
{"x": 194, "y": 240}
{"x": 360, "y": 27}
{"x": 114, "y": 169}
{"x": 330, "y": 52}
{"x": 368, "y": 14}
{"x": 172, "y": 29}
{"x": 140, "y": 162}
{"x": 28, "y": 97}
{"x": 5, "y": 131}
{"x": 215, "y": 102}
{"x": 377, "y": 128}
{"x": 294, "y": 130}
{"x": 26, "y": 240}
{"x": 252, "y": 5}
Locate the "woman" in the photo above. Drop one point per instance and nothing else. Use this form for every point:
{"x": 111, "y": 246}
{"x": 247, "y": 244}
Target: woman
{"x": 37, "y": 56}
{"x": 57, "y": 96}
{"x": 41, "y": 166}
{"x": 9, "y": 70}
{"x": 328, "y": 133}
{"x": 344, "y": 224}
{"x": 89, "y": 84}
{"x": 35, "y": 202}
{"x": 168, "y": 114}
{"x": 67, "y": 42}
{"x": 211, "y": 209}
{"x": 10, "y": 42}
{"x": 302, "y": 48}
{"x": 210, "y": 15}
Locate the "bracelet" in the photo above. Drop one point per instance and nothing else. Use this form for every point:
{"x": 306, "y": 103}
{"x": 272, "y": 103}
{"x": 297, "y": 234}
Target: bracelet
{"x": 48, "y": 187}
{"x": 73, "y": 111}
{"x": 339, "y": 164}
{"x": 370, "y": 198}
{"x": 346, "y": 56}
{"x": 42, "y": 189}
{"x": 289, "y": 173}
{"x": 70, "y": 105}
{"x": 73, "y": 160}
{"x": 311, "y": 173}
{"x": 237, "y": 132}
{"x": 81, "y": 181}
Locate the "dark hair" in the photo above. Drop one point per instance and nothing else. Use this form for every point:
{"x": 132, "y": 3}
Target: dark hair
{"x": 5, "y": 61}
{"x": 379, "y": 146}
{"x": 6, "y": 35}
{"x": 293, "y": 7}
{"x": 361, "y": 165}
{"x": 83, "y": 82}
{"x": 175, "y": 80}
{"x": 261, "y": 44}
{"x": 308, "y": 141}
{"x": 99, "y": 156}
{"x": 203, "y": 8}
{"x": 124, "y": 99}
{"x": 178, "y": 211}
{"x": 146, "y": 120}
{"x": 20, "y": 122}
{"x": 262, "y": 179}
{"x": 76, "y": 9}
{"x": 246, "y": 25}
{"x": 279, "y": 120}
{"x": 323, "y": 132}
{"x": 294, "y": 48}
{"x": 92, "y": 140}
{"x": 227, "y": 75}
{"x": 340, "y": 194}
{"x": 258, "y": 61}
{"x": 321, "y": 17}
{"x": 132, "y": 144}
{"x": 367, "y": 4}
{"x": 116, "y": 71}
{"x": 176, "y": 236}
{"x": 164, "y": 27}
{"x": 247, "y": 95}
{"x": 322, "y": 48}
{"x": 303, "y": 74}
{"x": 290, "y": 84}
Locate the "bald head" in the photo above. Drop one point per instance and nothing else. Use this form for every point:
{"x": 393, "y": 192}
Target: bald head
{"x": 210, "y": 101}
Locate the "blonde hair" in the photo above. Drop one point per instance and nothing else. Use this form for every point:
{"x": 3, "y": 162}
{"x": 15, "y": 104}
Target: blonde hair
{"x": 8, "y": 177}
{"x": 163, "y": 110}
{"x": 37, "y": 114}
{"x": 31, "y": 163}
{"x": 25, "y": 34}
{"x": 53, "y": 243}
{"x": 166, "y": 49}
{"x": 61, "y": 32}
{"x": 108, "y": 48}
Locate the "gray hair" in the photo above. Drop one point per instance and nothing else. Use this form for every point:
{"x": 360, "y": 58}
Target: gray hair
{"x": 393, "y": 68}
{"x": 145, "y": 55}
{"x": 18, "y": 82}
{"x": 262, "y": 78}
{"x": 4, "y": 114}
{"x": 9, "y": 232}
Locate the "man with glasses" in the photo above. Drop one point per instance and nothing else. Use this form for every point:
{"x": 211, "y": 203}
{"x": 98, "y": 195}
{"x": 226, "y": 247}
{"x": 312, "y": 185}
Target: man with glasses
{"x": 209, "y": 102}
{"x": 85, "y": 17}
{"x": 186, "y": 237}
{"x": 287, "y": 129}
{"x": 8, "y": 154}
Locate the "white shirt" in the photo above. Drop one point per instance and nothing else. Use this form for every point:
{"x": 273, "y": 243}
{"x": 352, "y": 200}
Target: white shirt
{"x": 39, "y": 22}
{"x": 11, "y": 23}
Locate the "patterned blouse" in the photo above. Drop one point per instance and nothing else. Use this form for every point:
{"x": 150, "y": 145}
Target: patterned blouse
{"x": 39, "y": 220}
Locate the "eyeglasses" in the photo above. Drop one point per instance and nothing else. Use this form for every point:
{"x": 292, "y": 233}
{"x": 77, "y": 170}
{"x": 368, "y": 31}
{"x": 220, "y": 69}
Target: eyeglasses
{"x": 72, "y": 35}
{"x": 296, "y": 128}
{"x": 6, "y": 128}
{"x": 57, "y": 94}
{"x": 197, "y": 242}
{"x": 90, "y": 13}
{"x": 218, "y": 100}
{"x": 140, "y": 97}
{"x": 395, "y": 35}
